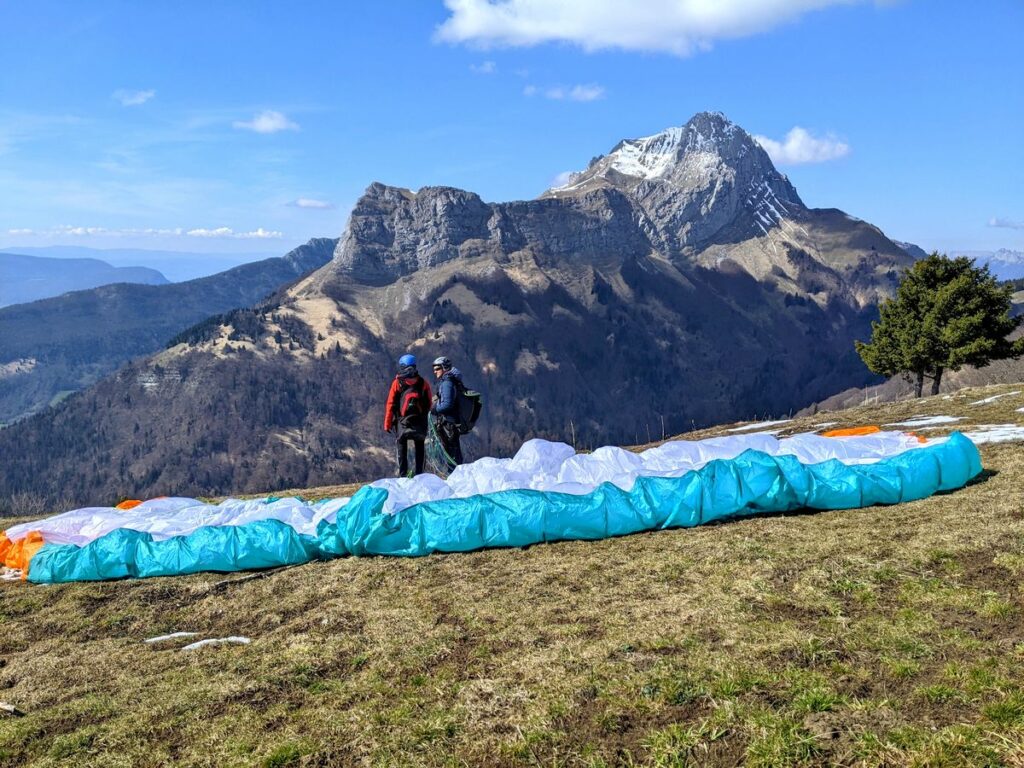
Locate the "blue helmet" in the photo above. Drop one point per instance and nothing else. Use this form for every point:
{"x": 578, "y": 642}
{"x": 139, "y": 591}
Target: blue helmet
{"x": 407, "y": 360}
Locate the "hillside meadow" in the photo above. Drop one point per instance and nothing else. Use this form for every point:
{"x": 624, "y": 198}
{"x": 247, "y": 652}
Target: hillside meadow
{"x": 878, "y": 636}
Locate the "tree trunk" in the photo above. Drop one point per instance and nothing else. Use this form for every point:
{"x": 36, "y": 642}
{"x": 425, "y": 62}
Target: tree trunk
{"x": 936, "y": 380}
{"x": 920, "y": 384}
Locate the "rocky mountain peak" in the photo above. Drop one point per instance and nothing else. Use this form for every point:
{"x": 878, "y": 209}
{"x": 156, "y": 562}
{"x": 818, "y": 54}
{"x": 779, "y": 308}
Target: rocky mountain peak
{"x": 685, "y": 155}
{"x": 694, "y": 183}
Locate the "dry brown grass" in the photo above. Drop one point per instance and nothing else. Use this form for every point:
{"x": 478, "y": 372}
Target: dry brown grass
{"x": 881, "y": 636}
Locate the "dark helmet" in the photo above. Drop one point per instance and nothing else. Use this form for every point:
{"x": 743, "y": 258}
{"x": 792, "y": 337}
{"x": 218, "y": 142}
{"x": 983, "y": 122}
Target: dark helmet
{"x": 405, "y": 360}
{"x": 444, "y": 363}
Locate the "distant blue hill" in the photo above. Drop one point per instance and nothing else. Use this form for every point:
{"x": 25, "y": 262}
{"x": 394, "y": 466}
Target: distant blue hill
{"x": 177, "y": 266}
{"x": 53, "y": 347}
{"x": 25, "y": 278}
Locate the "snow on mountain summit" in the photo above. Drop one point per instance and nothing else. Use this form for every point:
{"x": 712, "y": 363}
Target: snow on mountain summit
{"x": 692, "y": 183}
{"x": 701, "y": 145}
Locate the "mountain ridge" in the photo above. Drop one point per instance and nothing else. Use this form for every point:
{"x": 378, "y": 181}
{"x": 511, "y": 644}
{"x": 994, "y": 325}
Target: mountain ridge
{"x": 593, "y": 313}
{"x": 55, "y": 346}
{"x": 25, "y": 278}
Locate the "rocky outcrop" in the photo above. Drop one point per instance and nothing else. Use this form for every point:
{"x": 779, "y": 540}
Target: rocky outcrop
{"x": 395, "y": 232}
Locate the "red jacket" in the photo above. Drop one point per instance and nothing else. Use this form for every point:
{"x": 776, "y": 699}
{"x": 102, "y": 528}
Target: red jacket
{"x": 391, "y": 408}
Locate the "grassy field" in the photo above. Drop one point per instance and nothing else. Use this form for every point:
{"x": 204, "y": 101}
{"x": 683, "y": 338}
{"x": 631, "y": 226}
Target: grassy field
{"x": 880, "y": 636}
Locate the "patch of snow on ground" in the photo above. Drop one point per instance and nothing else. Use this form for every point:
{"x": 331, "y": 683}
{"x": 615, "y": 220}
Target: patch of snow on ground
{"x": 996, "y": 433}
{"x": 217, "y": 641}
{"x": 992, "y": 399}
{"x": 925, "y": 421}
{"x": 172, "y": 636}
{"x": 826, "y": 424}
{"x": 759, "y": 425}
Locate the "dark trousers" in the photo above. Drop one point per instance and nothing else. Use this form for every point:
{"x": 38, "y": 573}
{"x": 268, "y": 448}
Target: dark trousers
{"x": 402, "y": 449}
{"x": 449, "y": 436}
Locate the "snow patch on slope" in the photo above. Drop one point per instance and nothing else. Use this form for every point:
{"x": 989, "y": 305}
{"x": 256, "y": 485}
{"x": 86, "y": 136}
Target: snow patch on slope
{"x": 924, "y": 421}
{"x": 992, "y": 399}
{"x": 996, "y": 433}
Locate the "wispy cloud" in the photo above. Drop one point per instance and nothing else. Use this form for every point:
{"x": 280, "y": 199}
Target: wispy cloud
{"x": 132, "y": 98}
{"x": 267, "y": 121}
{"x": 561, "y": 179}
{"x": 999, "y": 221}
{"x": 308, "y": 202}
{"x": 586, "y": 92}
{"x": 589, "y": 92}
{"x": 800, "y": 147}
{"x": 18, "y": 128}
{"x": 484, "y": 68}
{"x": 79, "y": 231}
{"x": 679, "y": 27}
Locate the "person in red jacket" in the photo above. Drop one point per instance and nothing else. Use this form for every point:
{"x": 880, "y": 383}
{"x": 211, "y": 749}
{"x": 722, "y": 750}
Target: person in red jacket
{"x": 406, "y": 413}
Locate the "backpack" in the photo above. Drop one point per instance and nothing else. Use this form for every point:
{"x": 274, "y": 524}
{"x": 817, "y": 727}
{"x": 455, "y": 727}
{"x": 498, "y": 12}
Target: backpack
{"x": 412, "y": 401}
{"x": 470, "y": 403}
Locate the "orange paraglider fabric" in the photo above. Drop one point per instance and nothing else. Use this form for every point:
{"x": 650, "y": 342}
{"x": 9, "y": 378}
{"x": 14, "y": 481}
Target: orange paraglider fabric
{"x": 128, "y": 504}
{"x": 5, "y": 545}
{"x": 851, "y": 431}
{"x": 19, "y": 555}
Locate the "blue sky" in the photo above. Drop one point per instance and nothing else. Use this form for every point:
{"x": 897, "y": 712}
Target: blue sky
{"x": 252, "y": 126}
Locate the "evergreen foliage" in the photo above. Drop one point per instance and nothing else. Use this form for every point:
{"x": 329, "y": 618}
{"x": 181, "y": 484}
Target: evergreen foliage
{"x": 947, "y": 313}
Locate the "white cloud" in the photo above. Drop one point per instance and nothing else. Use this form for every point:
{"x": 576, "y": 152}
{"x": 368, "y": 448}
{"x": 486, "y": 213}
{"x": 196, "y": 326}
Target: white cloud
{"x": 257, "y": 234}
{"x": 680, "y": 27}
{"x": 586, "y": 92}
{"x": 590, "y": 92}
{"x": 66, "y": 229}
{"x": 267, "y": 121}
{"x": 218, "y": 232}
{"x": 999, "y": 221}
{"x": 800, "y": 147}
{"x": 561, "y": 179}
{"x": 307, "y": 202}
{"x": 132, "y": 98}
{"x": 484, "y": 68}
{"x": 78, "y": 231}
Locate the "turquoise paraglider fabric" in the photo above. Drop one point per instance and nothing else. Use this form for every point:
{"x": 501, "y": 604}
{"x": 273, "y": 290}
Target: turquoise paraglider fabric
{"x": 751, "y": 483}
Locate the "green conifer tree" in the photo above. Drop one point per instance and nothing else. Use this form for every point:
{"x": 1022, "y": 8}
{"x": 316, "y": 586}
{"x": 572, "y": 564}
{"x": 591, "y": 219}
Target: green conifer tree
{"x": 947, "y": 313}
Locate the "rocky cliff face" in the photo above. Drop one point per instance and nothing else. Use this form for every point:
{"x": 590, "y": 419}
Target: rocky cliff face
{"x": 677, "y": 281}
{"x": 695, "y": 195}
{"x": 395, "y": 232}
{"x": 705, "y": 182}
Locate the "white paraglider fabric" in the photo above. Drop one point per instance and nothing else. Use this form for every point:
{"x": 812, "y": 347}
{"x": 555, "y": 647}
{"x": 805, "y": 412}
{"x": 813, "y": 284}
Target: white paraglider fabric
{"x": 538, "y": 465}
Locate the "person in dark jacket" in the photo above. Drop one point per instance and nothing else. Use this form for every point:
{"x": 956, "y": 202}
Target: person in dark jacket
{"x": 406, "y": 412}
{"x": 446, "y": 409}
